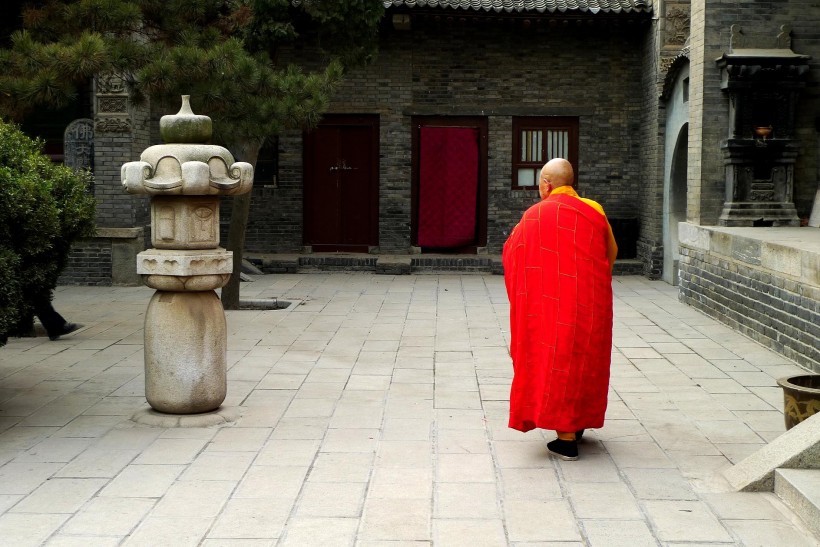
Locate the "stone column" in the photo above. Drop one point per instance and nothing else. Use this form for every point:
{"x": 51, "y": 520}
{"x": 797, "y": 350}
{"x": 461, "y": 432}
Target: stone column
{"x": 185, "y": 328}
{"x": 814, "y": 219}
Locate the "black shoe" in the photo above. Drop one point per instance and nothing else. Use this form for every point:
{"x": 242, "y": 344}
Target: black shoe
{"x": 579, "y": 434}
{"x": 67, "y": 329}
{"x": 566, "y": 450}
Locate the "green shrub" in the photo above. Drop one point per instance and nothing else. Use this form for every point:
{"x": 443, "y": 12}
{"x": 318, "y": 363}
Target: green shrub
{"x": 44, "y": 208}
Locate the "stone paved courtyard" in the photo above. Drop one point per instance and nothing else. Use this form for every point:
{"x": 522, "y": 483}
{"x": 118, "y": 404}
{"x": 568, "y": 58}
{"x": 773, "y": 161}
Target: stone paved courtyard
{"x": 373, "y": 412}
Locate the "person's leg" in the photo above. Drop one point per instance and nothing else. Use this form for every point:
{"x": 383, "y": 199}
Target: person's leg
{"x": 52, "y": 321}
{"x": 565, "y": 446}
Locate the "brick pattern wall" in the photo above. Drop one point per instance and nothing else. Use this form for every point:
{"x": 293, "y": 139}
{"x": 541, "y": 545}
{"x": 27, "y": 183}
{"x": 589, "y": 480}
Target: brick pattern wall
{"x": 780, "y": 313}
{"x": 696, "y": 110}
{"x": 487, "y": 69}
{"x": 602, "y": 72}
{"x": 89, "y": 263}
{"x": 275, "y": 222}
{"x": 715, "y": 121}
{"x": 650, "y": 243}
{"x": 116, "y": 208}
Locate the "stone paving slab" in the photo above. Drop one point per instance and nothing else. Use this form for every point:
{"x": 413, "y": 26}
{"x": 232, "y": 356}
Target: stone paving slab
{"x": 372, "y": 412}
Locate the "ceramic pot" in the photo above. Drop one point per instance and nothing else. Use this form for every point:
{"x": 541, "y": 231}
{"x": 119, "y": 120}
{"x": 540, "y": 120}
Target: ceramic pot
{"x": 801, "y": 397}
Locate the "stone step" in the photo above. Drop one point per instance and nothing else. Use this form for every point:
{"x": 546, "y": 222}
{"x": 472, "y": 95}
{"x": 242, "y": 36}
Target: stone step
{"x": 399, "y": 264}
{"x": 800, "y": 490}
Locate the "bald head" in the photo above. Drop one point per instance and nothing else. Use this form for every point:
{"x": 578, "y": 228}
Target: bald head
{"x": 555, "y": 173}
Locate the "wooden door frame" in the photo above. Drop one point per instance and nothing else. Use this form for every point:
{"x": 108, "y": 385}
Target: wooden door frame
{"x": 474, "y": 122}
{"x": 358, "y": 120}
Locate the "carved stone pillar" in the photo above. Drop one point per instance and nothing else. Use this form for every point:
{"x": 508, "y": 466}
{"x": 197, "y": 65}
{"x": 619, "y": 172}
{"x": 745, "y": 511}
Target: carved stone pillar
{"x": 185, "y": 328}
{"x": 111, "y": 104}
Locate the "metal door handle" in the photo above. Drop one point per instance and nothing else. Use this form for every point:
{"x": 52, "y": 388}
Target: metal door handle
{"x": 342, "y": 166}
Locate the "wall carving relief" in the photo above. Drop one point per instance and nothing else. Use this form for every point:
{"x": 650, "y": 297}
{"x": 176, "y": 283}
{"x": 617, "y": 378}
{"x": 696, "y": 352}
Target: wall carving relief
{"x": 674, "y": 44}
{"x": 677, "y": 25}
{"x": 111, "y": 104}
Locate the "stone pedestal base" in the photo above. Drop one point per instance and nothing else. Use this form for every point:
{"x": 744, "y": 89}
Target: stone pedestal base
{"x": 185, "y": 352}
{"x": 754, "y": 213}
{"x": 223, "y": 416}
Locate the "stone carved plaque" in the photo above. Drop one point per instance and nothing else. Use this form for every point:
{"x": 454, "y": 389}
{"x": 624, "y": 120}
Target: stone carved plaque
{"x": 677, "y": 25}
{"x": 111, "y": 104}
{"x": 78, "y": 142}
{"x": 203, "y": 227}
{"x": 111, "y": 83}
{"x": 761, "y": 191}
{"x": 113, "y": 125}
{"x": 165, "y": 223}
{"x": 185, "y": 222}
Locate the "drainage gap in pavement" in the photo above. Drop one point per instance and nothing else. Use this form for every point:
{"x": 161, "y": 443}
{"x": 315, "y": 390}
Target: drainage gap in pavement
{"x": 264, "y": 304}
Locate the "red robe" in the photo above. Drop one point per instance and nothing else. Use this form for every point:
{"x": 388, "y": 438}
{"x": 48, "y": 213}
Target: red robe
{"x": 559, "y": 283}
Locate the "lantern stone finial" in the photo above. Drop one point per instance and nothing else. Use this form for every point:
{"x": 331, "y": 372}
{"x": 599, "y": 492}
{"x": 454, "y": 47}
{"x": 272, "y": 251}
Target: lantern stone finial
{"x": 185, "y": 126}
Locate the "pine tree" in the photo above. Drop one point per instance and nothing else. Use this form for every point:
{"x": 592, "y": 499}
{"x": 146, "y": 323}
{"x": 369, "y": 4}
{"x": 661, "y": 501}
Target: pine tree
{"x": 226, "y": 54}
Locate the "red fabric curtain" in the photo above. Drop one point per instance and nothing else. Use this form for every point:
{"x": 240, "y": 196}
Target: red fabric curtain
{"x": 448, "y": 186}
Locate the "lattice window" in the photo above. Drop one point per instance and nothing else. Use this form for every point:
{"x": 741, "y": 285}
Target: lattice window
{"x": 538, "y": 140}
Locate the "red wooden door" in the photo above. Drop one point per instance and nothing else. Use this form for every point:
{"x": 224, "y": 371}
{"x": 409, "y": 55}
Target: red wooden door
{"x": 341, "y": 184}
{"x": 450, "y": 189}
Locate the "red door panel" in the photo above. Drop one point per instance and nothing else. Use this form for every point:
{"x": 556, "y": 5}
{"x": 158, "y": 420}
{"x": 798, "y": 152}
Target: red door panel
{"x": 355, "y": 184}
{"x": 324, "y": 210}
{"x": 448, "y": 186}
{"x": 341, "y": 184}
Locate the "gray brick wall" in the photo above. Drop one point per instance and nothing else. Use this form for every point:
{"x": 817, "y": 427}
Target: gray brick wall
{"x": 116, "y": 208}
{"x": 89, "y": 263}
{"x": 604, "y": 73}
{"x": 497, "y": 70}
{"x": 781, "y": 313}
{"x": 101, "y": 260}
{"x": 275, "y": 223}
{"x": 650, "y": 198}
{"x": 108, "y": 258}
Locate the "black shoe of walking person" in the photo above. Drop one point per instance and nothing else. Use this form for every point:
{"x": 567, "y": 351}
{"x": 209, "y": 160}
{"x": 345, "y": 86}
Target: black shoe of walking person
{"x": 566, "y": 450}
{"x": 66, "y": 329}
{"x": 579, "y": 434}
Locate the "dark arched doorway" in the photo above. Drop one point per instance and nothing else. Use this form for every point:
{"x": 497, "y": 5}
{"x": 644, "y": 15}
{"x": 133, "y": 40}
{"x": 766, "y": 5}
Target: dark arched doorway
{"x": 676, "y": 208}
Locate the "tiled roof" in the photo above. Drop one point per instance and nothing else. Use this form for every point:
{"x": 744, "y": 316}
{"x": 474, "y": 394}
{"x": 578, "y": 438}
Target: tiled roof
{"x": 530, "y": 6}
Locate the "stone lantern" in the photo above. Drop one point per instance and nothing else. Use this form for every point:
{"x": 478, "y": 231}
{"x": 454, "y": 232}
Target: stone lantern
{"x": 185, "y": 327}
{"x": 763, "y": 86}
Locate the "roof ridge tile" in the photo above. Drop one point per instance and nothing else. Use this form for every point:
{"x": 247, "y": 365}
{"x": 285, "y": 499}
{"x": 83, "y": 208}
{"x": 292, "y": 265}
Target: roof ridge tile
{"x": 525, "y": 6}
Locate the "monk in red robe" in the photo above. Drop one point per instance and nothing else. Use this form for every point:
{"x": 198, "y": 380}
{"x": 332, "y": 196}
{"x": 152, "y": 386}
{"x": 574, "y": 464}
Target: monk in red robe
{"x": 558, "y": 271}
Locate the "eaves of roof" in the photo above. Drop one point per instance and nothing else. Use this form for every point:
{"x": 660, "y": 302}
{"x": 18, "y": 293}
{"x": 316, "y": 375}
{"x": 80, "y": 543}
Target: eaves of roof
{"x": 530, "y": 6}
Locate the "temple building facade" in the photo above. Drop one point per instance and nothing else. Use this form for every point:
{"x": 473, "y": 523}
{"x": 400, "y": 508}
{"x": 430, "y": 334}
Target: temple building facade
{"x": 689, "y": 121}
